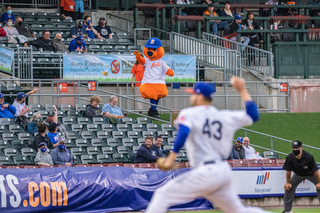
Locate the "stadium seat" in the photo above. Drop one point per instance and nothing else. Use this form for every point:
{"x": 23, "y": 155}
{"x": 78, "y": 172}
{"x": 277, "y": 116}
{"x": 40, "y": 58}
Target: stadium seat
{"x": 100, "y": 121}
{"x": 19, "y": 14}
{"x": 29, "y": 21}
{"x": 51, "y": 27}
{"x": 93, "y": 150}
{"x": 239, "y": 163}
{"x": 43, "y": 113}
{"x": 105, "y": 158}
{"x": 147, "y": 165}
{"x": 41, "y": 14}
{"x": 114, "y": 142}
{"x": 128, "y": 120}
{"x": 125, "y": 42}
{"x": 22, "y": 160}
{"x": 43, "y": 21}
{"x": 118, "y": 134}
{"x": 73, "y": 113}
{"x": 268, "y": 162}
{"x": 103, "y": 135}
{"x": 9, "y": 136}
{"x": 167, "y": 127}
{"x": 133, "y": 48}
{"x": 82, "y": 143}
{"x": 148, "y": 133}
{"x": 98, "y": 142}
{"x": 88, "y": 41}
{"x": 81, "y": 108}
{"x": 123, "y": 127}
{"x": 129, "y": 142}
{"x": 88, "y": 135}
{"x": 68, "y": 22}
{"x": 182, "y": 157}
{"x": 114, "y": 53}
{"x": 94, "y": 48}
{"x": 280, "y": 162}
{"x": 107, "y": 150}
{"x": 93, "y": 128}
{"x": 6, "y": 161}
{"x": 84, "y": 121}
{"x": 88, "y": 159}
{"x": 121, "y": 35}
{"x": 143, "y": 120}
{"x": 10, "y": 152}
{"x": 124, "y": 150}
{"x": 3, "y": 129}
{"x": 55, "y": 21}
{"x": 138, "y": 127}
{"x": 77, "y": 151}
{"x": 31, "y": 14}
{"x": 107, "y": 48}
{"x": 131, "y": 157}
{"x": 174, "y": 134}
{"x": 69, "y": 121}
{"x": 120, "y": 48}
{"x": 37, "y": 27}
{"x": 24, "y": 136}
{"x": 120, "y": 158}
{"x": 72, "y": 135}
{"x": 36, "y": 107}
{"x": 135, "y": 149}
{"x": 70, "y": 143}
{"x": 77, "y": 159}
{"x": 254, "y": 163}
{"x": 111, "y": 41}
{"x": 164, "y": 134}
{"x": 66, "y": 107}
{"x": 4, "y": 144}
{"x": 28, "y": 152}
{"x": 134, "y": 134}
{"x": 63, "y": 27}
{"x": 141, "y": 141}
{"x": 19, "y": 144}
{"x": 49, "y": 107}
{"x": 99, "y": 41}
{"x": 109, "y": 128}
{"x": 170, "y": 141}
{"x": 270, "y": 154}
{"x": 77, "y": 127}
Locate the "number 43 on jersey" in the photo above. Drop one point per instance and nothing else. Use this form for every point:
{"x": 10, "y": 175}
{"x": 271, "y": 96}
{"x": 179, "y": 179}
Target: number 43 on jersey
{"x": 212, "y": 129}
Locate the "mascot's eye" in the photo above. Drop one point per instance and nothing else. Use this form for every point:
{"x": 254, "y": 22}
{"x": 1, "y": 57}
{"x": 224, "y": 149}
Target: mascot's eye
{"x": 154, "y": 49}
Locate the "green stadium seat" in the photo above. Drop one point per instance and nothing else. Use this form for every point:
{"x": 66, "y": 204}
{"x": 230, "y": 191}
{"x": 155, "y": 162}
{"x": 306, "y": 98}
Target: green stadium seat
{"x": 94, "y": 48}
{"x": 112, "y": 41}
{"x": 84, "y": 121}
{"x": 170, "y": 141}
{"x": 121, "y": 158}
{"x": 68, "y": 22}
{"x": 9, "y": 136}
{"x": 81, "y": 108}
{"x": 28, "y": 152}
{"x": 93, "y": 150}
{"x": 63, "y": 27}
{"x": 77, "y": 159}
{"x": 131, "y": 157}
{"x": 5, "y": 122}
{"x": 43, "y": 21}
{"x": 153, "y": 127}
{"x": 124, "y": 149}
{"x": 105, "y": 158}
{"x": 125, "y": 42}
{"x": 88, "y": 159}
{"x": 55, "y": 21}
{"x": 99, "y": 41}
{"x": 123, "y": 127}
{"x": 29, "y": 21}
{"x": 109, "y": 127}
{"x": 169, "y": 147}
{"x": 55, "y": 15}
{"x": 37, "y": 27}
{"x": 44, "y": 61}
{"x": 77, "y": 127}
{"x": 77, "y": 151}
{"x": 43, "y": 113}
{"x": 104, "y": 135}
{"x": 41, "y": 14}
{"x": 36, "y": 107}
{"x": 123, "y": 35}
{"x": 70, "y": 143}
{"x": 82, "y": 143}
{"x": 129, "y": 142}
{"x": 138, "y": 127}
{"x": 119, "y": 134}
{"x": 10, "y": 152}
{"x": 128, "y": 120}
{"x": 19, "y": 144}
{"x": 141, "y": 141}
{"x": 135, "y": 148}
{"x": 66, "y": 107}
{"x": 167, "y": 127}
{"x": 6, "y": 161}
{"x": 164, "y": 134}
{"x": 51, "y": 27}
{"x": 88, "y": 135}
{"x": 120, "y": 48}
{"x": 49, "y": 107}
{"x": 133, "y": 48}
{"x": 22, "y": 160}
{"x": 99, "y": 121}
{"x": 4, "y": 144}
{"x": 174, "y": 134}
{"x": 98, "y": 142}
{"x": 24, "y": 136}
{"x": 19, "y": 14}
{"x": 134, "y": 134}
{"x": 107, "y": 48}
{"x": 107, "y": 150}
{"x": 72, "y": 135}
{"x": 3, "y": 129}
{"x": 31, "y": 15}
{"x": 93, "y": 128}
{"x": 148, "y": 133}
{"x": 69, "y": 121}
{"x": 114, "y": 142}
{"x": 143, "y": 120}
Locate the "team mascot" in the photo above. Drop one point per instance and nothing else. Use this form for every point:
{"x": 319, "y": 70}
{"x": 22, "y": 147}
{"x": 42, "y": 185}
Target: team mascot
{"x": 153, "y": 86}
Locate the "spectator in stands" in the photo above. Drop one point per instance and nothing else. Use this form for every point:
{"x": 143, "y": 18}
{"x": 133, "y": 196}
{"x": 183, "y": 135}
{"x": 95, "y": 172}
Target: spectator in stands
{"x": 93, "y": 109}
{"x": 144, "y": 153}
{"x": 137, "y": 75}
{"x": 10, "y": 30}
{"x": 226, "y": 12}
{"x": 67, "y": 8}
{"x": 237, "y": 150}
{"x": 314, "y": 11}
{"x": 184, "y": 11}
{"x": 78, "y": 30}
{"x": 112, "y": 110}
{"x": 53, "y": 134}
{"x": 42, "y": 137}
{"x": 235, "y": 26}
{"x": 43, "y": 158}
{"x": 20, "y": 105}
{"x": 2, "y": 32}
{"x": 34, "y": 121}
{"x": 104, "y": 30}
{"x": 23, "y": 29}
{"x": 58, "y": 43}
{"x": 52, "y": 116}
{"x": 250, "y": 152}
{"x": 42, "y": 43}
{"x": 92, "y": 33}
{"x": 78, "y": 9}
{"x": 266, "y": 11}
{"x": 252, "y": 24}
{"x": 156, "y": 147}
{"x": 61, "y": 155}
{"x": 8, "y": 14}
{"x": 6, "y": 110}
{"x": 78, "y": 45}
{"x": 216, "y": 25}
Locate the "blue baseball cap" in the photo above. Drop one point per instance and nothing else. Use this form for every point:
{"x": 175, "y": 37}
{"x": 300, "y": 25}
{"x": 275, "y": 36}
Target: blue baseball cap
{"x": 42, "y": 144}
{"x": 1, "y": 95}
{"x": 237, "y": 17}
{"x": 21, "y": 95}
{"x": 240, "y": 139}
{"x": 202, "y": 88}
{"x": 80, "y": 38}
{"x": 153, "y": 43}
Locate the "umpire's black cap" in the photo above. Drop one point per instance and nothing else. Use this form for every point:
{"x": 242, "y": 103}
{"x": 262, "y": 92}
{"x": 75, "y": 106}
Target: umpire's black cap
{"x": 296, "y": 144}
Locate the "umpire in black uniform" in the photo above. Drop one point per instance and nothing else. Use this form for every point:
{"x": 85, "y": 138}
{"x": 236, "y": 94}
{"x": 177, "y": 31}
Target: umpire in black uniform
{"x": 304, "y": 166}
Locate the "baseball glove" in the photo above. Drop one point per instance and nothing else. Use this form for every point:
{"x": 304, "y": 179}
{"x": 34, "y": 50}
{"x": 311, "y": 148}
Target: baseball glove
{"x": 162, "y": 166}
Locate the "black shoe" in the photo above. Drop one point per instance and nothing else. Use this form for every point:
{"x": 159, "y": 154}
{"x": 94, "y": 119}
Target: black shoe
{"x": 151, "y": 113}
{"x": 157, "y": 115}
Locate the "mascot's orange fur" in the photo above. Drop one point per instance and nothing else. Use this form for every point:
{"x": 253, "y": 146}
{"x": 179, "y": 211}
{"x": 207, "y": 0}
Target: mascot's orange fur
{"x": 153, "y": 85}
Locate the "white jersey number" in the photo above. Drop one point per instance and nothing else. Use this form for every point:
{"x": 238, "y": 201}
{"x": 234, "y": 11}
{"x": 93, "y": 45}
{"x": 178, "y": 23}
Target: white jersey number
{"x": 213, "y": 130}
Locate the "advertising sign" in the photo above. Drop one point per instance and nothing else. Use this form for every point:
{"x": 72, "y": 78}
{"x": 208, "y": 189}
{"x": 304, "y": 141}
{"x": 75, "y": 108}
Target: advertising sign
{"x": 6, "y": 58}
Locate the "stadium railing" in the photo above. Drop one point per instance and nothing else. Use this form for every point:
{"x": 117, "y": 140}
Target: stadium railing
{"x": 253, "y": 58}
{"x": 32, "y": 3}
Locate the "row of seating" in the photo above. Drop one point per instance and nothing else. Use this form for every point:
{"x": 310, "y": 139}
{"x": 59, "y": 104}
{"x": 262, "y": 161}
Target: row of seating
{"x": 36, "y": 15}
{"x": 233, "y": 163}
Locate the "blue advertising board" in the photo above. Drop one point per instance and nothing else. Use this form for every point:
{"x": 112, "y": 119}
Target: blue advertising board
{"x": 6, "y": 58}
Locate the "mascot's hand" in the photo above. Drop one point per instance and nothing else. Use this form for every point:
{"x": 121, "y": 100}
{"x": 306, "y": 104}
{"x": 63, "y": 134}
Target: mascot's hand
{"x": 170, "y": 72}
{"x": 139, "y": 57}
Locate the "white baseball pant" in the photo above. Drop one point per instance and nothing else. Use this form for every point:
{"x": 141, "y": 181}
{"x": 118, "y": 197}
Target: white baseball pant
{"x": 211, "y": 181}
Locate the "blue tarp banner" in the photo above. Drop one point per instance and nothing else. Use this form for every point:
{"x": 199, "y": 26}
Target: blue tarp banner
{"x": 6, "y": 57}
{"x": 83, "y": 189}
{"x": 118, "y": 67}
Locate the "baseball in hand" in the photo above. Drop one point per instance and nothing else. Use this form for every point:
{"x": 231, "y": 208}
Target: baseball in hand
{"x": 237, "y": 83}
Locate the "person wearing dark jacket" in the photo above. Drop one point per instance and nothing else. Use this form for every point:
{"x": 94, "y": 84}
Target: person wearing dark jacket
{"x": 42, "y": 137}
{"x": 145, "y": 154}
{"x": 227, "y": 12}
{"x": 252, "y": 24}
{"x": 238, "y": 151}
{"x": 93, "y": 109}
{"x": 156, "y": 147}
{"x": 43, "y": 42}
{"x": 235, "y": 26}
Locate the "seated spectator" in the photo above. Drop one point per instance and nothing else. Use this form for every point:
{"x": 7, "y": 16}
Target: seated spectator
{"x": 20, "y": 105}
{"x": 156, "y": 147}
{"x": 266, "y": 11}
{"x": 144, "y": 153}
{"x": 237, "y": 150}
{"x": 43, "y": 158}
{"x": 23, "y": 29}
{"x": 42, "y": 137}
{"x": 58, "y": 43}
{"x": 92, "y": 33}
{"x": 249, "y": 150}
{"x": 184, "y": 11}
{"x": 137, "y": 75}
{"x": 252, "y": 24}
{"x": 42, "y": 43}
{"x": 61, "y": 155}
{"x": 216, "y": 25}
{"x": 2, "y": 32}
{"x": 112, "y": 110}
{"x": 52, "y": 116}
{"x": 314, "y": 11}
{"x": 235, "y": 26}
{"x": 78, "y": 45}
{"x": 93, "y": 109}
{"x": 53, "y": 134}
{"x": 10, "y": 30}
{"x": 104, "y": 30}
{"x": 34, "y": 121}
{"x": 6, "y": 110}
{"x": 8, "y": 14}
{"x": 78, "y": 30}
{"x": 226, "y": 12}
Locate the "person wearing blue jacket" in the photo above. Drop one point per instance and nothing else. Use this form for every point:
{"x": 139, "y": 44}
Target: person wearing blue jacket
{"x": 78, "y": 44}
{"x": 145, "y": 153}
{"x": 8, "y": 14}
{"x": 6, "y": 110}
